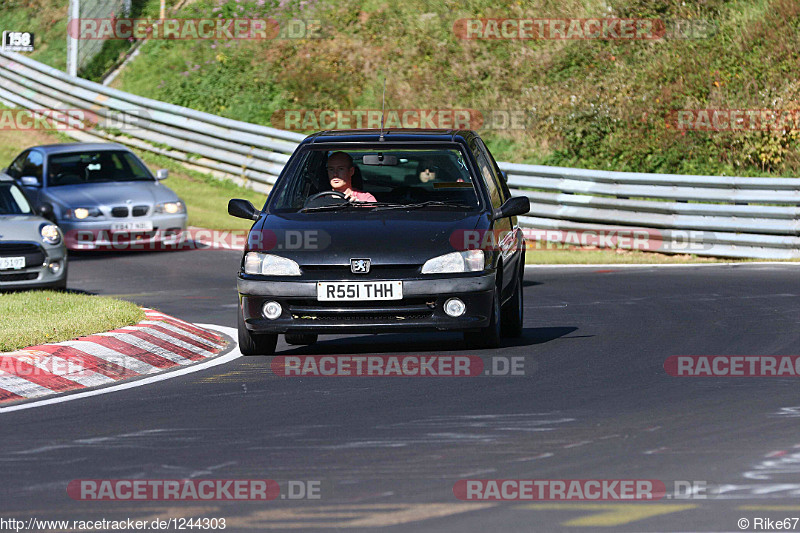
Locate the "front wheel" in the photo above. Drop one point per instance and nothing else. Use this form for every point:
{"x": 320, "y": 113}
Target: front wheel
{"x": 255, "y": 344}
{"x": 514, "y": 308}
{"x": 488, "y": 337}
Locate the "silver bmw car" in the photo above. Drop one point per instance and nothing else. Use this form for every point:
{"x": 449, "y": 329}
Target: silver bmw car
{"x": 32, "y": 252}
{"x": 101, "y": 195}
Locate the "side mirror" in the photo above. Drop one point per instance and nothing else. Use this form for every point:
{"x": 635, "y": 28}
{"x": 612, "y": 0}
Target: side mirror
{"x": 29, "y": 181}
{"x": 243, "y": 209}
{"x": 518, "y": 205}
{"x": 46, "y": 211}
{"x": 162, "y": 174}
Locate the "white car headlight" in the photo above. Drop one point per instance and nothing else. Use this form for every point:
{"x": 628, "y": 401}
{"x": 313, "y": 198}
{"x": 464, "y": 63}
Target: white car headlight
{"x": 455, "y": 262}
{"x": 79, "y": 213}
{"x": 270, "y": 265}
{"x": 50, "y": 234}
{"x": 171, "y": 208}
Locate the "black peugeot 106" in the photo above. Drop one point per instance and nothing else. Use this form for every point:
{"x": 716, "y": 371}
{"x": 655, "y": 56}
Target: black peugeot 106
{"x": 368, "y": 231}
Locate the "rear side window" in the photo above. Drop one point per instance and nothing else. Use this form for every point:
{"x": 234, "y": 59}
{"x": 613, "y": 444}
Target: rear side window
{"x": 487, "y": 172}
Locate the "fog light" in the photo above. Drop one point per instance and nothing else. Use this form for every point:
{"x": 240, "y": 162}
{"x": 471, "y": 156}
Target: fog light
{"x": 55, "y": 268}
{"x": 272, "y": 310}
{"x": 454, "y": 307}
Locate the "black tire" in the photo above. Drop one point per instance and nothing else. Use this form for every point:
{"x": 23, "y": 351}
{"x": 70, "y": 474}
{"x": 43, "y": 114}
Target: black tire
{"x": 514, "y": 309}
{"x": 254, "y": 344}
{"x": 488, "y": 337}
{"x": 301, "y": 339}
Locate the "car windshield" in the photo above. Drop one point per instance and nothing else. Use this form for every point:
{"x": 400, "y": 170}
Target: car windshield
{"x": 12, "y": 201}
{"x": 94, "y": 167}
{"x": 416, "y": 178}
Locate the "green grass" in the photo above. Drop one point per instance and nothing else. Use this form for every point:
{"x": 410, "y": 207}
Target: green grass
{"x": 589, "y": 103}
{"x": 558, "y": 254}
{"x": 37, "y": 317}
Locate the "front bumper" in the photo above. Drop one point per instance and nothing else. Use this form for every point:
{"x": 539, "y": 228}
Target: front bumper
{"x": 98, "y": 235}
{"x": 37, "y": 273}
{"x": 421, "y": 309}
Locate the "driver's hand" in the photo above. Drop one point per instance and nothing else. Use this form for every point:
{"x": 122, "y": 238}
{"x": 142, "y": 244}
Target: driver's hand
{"x": 350, "y": 196}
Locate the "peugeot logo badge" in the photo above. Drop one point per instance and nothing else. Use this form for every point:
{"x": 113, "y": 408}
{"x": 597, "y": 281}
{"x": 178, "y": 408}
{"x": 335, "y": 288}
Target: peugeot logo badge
{"x": 359, "y": 266}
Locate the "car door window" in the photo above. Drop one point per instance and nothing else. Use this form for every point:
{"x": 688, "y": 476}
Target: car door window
{"x": 15, "y": 168}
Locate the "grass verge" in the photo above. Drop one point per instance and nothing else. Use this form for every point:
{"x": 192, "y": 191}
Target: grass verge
{"x": 36, "y": 317}
{"x": 556, "y": 254}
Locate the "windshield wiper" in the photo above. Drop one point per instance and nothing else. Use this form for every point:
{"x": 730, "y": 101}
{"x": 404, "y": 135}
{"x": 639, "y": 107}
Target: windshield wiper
{"x": 336, "y": 207}
{"x": 429, "y": 203}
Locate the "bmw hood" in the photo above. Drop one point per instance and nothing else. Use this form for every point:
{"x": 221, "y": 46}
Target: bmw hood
{"x": 110, "y": 194}
{"x": 385, "y": 237}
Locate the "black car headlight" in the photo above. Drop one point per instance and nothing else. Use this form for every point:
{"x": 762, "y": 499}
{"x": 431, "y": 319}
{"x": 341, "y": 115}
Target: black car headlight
{"x": 455, "y": 262}
{"x": 269, "y": 265}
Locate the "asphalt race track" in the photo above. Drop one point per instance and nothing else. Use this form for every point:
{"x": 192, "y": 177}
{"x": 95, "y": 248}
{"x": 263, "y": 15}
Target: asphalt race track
{"x": 595, "y": 403}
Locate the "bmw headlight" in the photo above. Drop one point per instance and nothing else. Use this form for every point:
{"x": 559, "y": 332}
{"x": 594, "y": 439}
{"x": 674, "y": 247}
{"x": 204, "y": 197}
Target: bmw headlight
{"x": 455, "y": 262}
{"x": 170, "y": 208}
{"x": 80, "y": 213}
{"x": 270, "y": 265}
{"x": 50, "y": 233}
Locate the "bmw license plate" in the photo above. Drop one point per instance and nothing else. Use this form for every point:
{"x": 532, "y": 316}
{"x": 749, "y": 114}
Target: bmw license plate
{"x": 132, "y": 226}
{"x": 359, "y": 290}
{"x": 9, "y": 263}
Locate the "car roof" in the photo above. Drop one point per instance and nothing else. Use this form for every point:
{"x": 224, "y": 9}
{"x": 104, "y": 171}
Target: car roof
{"x": 63, "y": 148}
{"x": 371, "y": 136}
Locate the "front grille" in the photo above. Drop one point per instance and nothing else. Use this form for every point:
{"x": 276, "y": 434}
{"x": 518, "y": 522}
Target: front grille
{"x": 26, "y": 276}
{"x": 365, "y": 318}
{"x": 407, "y": 309}
{"x": 346, "y": 268}
{"x": 342, "y": 272}
{"x": 119, "y": 212}
{"x": 18, "y": 248}
{"x": 33, "y": 253}
{"x": 140, "y": 210}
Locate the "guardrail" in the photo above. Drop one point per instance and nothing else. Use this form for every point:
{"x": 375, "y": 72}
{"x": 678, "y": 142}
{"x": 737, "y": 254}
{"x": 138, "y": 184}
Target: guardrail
{"x": 704, "y": 215}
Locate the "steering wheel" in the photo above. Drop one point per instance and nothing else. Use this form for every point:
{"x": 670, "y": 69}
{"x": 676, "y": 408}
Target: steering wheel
{"x": 313, "y": 198}
{"x": 67, "y": 178}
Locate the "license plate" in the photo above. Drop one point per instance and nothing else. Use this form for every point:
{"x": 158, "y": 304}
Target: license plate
{"x": 359, "y": 290}
{"x": 8, "y": 263}
{"x": 132, "y": 226}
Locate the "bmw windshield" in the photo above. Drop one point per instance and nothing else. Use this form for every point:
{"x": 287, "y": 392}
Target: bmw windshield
{"x": 95, "y": 167}
{"x": 382, "y": 179}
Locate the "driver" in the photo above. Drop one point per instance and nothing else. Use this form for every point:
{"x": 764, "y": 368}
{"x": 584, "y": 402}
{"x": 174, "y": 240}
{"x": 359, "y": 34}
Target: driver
{"x": 340, "y": 173}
